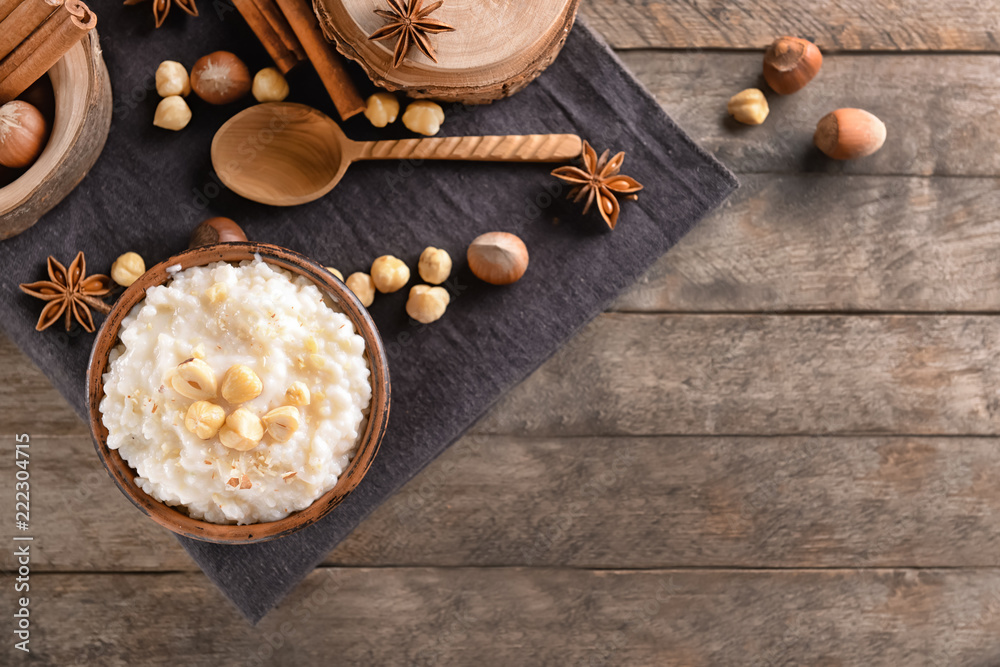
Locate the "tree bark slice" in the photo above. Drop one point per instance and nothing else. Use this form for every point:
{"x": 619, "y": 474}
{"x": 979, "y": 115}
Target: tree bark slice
{"x": 498, "y": 46}
{"x": 83, "y": 112}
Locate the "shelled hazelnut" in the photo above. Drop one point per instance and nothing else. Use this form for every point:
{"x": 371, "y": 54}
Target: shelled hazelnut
{"x": 389, "y": 274}
{"x": 363, "y": 287}
{"x": 241, "y": 384}
{"x": 434, "y": 265}
{"x": 427, "y": 304}
{"x": 172, "y": 113}
{"x": 336, "y": 273}
{"x": 172, "y": 79}
{"x": 127, "y": 268}
{"x": 242, "y": 431}
{"x": 23, "y": 132}
{"x": 749, "y": 107}
{"x": 220, "y": 78}
{"x": 204, "y": 419}
{"x": 194, "y": 379}
{"x": 298, "y": 394}
{"x": 382, "y": 109}
{"x": 282, "y": 423}
{"x": 270, "y": 85}
{"x": 423, "y": 117}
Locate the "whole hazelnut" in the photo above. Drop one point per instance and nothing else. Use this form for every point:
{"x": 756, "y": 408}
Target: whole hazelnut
{"x": 172, "y": 79}
{"x": 434, "y": 265}
{"x": 23, "y": 132}
{"x": 269, "y": 85}
{"x": 335, "y": 272}
{"x": 389, "y": 274}
{"x": 216, "y": 230}
{"x": 127, "y": 268}
{"x": 498, "y": 258}
{"x": 172, "y": 113}
{"x": 363, "y": 287}
{"x": 749, "y": 107}
{"x": 204, "y": 419}
{"x": 848, "y": 134}
{"x": 382, "y": 109}
{"x": 242, "y": 431}
{"x": 220, "y": 78}
{"x": 240, "y": 384}
{"x": 790, "y": 63}
{"x": 427, "y": 304}
{"x": 423, "y": 117}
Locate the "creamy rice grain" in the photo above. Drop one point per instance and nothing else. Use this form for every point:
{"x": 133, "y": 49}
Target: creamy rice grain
{"x": 278, "y": 325}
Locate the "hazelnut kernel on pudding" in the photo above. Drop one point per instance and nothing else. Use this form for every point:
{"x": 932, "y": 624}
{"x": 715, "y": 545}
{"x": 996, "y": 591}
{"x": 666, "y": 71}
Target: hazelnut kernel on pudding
{"x": 241, "y": 384}
{"x": 298, "y": 394}
{"x": 282, "y": 423}
{"x": 194, "y": 379}
{"x": 242, "y": 431}
{"x": 204, "y": 419}
{"x": 389, "y": 274}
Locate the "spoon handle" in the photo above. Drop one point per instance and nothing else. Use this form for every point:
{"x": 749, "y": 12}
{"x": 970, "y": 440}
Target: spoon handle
{"x": 512, "y": 148}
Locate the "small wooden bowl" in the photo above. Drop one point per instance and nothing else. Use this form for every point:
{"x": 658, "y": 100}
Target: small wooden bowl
{"x": 368, "y": 444}
{"x": 82, "y": 120}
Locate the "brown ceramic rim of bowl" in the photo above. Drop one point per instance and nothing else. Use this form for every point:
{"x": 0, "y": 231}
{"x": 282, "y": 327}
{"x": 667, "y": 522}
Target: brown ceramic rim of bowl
{"x": 368, "y": 444}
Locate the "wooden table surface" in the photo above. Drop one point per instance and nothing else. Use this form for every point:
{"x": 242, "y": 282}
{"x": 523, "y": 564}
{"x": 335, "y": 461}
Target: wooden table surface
{"x": 777, "y": 449}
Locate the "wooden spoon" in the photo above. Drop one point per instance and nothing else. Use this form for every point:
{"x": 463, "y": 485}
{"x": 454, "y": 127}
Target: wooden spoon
{"x": 285, "y": 154}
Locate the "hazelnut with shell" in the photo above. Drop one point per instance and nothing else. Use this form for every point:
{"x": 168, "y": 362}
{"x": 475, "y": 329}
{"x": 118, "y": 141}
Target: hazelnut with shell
{"x": 499, "y": 258}
{"x": 220, "y": 78}
{"x": 23, "y": 132}
{"x": 790, "y": 63}
{"x": 848, "y": 134}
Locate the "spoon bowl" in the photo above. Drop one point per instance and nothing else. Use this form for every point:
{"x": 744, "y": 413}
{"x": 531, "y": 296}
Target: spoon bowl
{"x": 285, "y": 154}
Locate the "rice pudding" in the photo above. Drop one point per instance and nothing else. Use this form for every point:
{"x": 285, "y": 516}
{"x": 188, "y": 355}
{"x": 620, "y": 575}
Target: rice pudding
{"x": 237, "y": 393}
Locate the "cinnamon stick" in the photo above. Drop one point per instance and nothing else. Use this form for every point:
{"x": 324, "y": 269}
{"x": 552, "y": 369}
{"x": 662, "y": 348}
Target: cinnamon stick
{"x": 65, "y": 35}
{"x": 327, "y": 62}
{"x": 6, "y": 7}
{"x": 273, "y": 44}
{"x": 269, "y": 10}
{"x": 34, "y": 42}
{"x": 23, "y": 20}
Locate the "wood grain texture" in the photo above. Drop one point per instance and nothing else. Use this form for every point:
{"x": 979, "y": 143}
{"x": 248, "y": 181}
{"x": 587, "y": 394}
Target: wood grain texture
{"x": 432, "y": 617}
{"x": 763, "y": 375}
{"x": 942, "y": 111}
{"x": 909, "y": 25}
{"x": 845, "y": 243}
{"x": 600, "y": 503}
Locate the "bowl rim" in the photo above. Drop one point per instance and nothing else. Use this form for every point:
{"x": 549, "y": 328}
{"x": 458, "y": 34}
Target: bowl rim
{"x": 368, "y": 443}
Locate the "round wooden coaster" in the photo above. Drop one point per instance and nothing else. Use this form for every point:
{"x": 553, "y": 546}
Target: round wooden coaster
{"x": 497, "y": 47}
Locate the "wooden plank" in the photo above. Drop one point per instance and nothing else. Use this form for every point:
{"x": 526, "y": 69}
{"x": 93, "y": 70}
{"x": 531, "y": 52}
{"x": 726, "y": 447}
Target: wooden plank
{"x": 598, "y": 502}
{"x": 845, "y": 243}
{"x": 28, "y": 401}
{"x": 916, "y": 25}
{"x": 942, "y": 111}
{"x": 529, "y": 616}
{"x": 763, "y": 375}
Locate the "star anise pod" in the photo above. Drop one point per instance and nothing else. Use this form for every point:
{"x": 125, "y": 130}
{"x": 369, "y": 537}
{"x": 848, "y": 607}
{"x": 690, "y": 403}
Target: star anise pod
{"x": 599, "y": 180}
{"x": 162, "y": 7}
{"x": 70, "y": 293}
{"x": 409, "y": 21}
